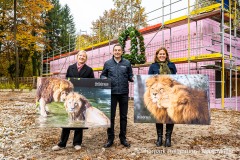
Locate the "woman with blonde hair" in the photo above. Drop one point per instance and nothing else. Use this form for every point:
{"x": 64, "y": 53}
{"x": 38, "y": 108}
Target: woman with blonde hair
{"x": 77, "y": 70}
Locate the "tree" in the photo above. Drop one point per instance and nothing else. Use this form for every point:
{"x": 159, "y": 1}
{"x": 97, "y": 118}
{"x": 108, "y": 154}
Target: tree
{"x": 60, "y": 28}
{"x": 83, "y": 41}
{"x": 29, "y": 32}
{"x": 125, "y": 14}
{"x": 130, "y": 13}
{"x": 53, "y": 27}
{"x": 203, "y": 3}
{"x": 68, "y": 28}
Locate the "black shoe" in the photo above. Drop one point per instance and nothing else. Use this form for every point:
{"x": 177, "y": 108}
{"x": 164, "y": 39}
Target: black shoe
{"x": 159, "y": 141}
{"x": 125, "y": 143}
{"x": 169, "y": 129}
{"x": 108, "y": 144}
{"x": 168, "y": 142}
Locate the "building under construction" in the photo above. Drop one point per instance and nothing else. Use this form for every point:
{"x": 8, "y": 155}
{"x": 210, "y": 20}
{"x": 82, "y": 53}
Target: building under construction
{"x": 205, "y": 41}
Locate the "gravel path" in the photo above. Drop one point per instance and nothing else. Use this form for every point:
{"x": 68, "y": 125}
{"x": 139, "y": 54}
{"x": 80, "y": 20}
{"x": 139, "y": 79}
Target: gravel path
{"x": 20, "y": 138}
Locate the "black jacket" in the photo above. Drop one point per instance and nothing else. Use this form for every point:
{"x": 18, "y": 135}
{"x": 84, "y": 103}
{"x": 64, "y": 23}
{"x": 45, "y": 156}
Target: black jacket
{"x": 119, "y": 73}
{"x": 85, "y": 72}
{"x": 154, "y": 68}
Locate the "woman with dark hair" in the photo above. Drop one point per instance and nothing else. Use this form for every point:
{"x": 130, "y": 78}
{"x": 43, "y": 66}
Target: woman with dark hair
{"x": 162, "y": 65}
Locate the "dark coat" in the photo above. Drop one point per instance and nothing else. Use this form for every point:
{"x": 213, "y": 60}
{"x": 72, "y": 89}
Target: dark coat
{"x": 85, "y": 72}
{"x": 119, "y": 73}
{"x": 72, "y": 72}
{"x": 154, "y": 68}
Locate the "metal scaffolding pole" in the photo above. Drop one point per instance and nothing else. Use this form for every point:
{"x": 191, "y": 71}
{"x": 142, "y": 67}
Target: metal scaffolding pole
{"x": 163, "y": 22}
{"x": 231, "y": 60}
{"x": 235, "y": 35}
{"x": 189, "y": 41}
{"x": 236, "y": 87}
{"x": 197, "y": 45}
{"x": 170, "y": 9}
{"x": 41, "y": 73}
{"x": 47, "y": 65}
{"x": 222, "y": 51}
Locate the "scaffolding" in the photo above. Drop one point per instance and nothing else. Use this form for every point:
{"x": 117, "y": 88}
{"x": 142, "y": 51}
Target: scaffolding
{"x": 207, "y": 12}
{"x": 220, "y": 13}
{"x": 225, "y": 63}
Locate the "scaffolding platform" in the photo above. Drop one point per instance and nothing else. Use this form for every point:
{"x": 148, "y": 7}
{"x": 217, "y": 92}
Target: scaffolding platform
{"x": 198, "y": 58}
{"x": 50, "y": 74}
{"x": 199, "y": 14}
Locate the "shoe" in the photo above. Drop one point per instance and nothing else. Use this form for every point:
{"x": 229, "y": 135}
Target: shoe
{"x": 108, "y": 144}
{"x": 125, "y": 143}
{"x": 169, "y": 129}
{"x": 57, "y": 148}
{"x": 159, "y": 141}
{"x": 168, "y": 142}
{"x": 159, "y": 128}
{"x": 77, "y": 147}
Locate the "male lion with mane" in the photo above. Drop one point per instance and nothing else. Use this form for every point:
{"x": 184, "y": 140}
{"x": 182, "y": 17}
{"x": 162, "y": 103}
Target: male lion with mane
{"x": 182, "y": 104}
{"x": 52, "y": 89}
{"x": 80, "y": 109}
{"x": 186, "y": 105}
{"x": 154, "y": 92}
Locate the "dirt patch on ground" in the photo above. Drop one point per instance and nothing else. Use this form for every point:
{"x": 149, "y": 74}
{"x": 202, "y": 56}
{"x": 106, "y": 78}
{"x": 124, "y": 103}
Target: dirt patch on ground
{"x": 21, "y": 139}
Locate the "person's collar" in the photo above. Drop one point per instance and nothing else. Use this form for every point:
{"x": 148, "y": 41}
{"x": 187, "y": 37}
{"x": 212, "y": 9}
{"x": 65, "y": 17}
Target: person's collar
{"x": 161, "y": 61}
{"x": 80, "y": 65}
{"x": 117, "y": 60}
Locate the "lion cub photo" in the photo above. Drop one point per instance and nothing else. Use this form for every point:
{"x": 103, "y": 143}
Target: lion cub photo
{"x": 170, "y": 101}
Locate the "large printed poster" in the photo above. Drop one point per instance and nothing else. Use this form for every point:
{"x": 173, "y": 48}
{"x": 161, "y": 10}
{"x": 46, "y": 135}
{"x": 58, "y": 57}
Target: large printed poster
{"x": 178, "y": 99}
{"x": 79, "y": 103}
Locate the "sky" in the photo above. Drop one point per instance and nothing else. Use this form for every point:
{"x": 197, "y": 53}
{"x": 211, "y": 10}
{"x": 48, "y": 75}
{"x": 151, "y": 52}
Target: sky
{"x": 87, "y": 11}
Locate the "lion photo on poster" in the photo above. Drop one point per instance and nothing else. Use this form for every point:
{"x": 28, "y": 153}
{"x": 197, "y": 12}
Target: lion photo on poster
{"x": 76, "y": 102}
{"x": 178, "y": 99}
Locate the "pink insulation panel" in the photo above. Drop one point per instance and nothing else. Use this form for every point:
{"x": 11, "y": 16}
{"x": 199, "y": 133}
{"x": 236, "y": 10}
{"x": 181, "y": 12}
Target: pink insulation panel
{"x": 204, "y": 39}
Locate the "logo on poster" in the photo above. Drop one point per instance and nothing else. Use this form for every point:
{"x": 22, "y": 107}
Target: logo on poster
{"x": 101, "y": 84}
{"x": 143, "y": 117}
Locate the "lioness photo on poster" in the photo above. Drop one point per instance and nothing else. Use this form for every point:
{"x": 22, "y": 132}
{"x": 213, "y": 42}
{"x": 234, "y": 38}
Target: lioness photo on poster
{"x": 178, "y": 99}
{"x": 73, "y": 103}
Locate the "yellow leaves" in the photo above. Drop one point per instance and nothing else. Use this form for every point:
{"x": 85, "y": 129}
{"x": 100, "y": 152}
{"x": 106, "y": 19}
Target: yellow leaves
{"x": 138, "y": 1}
{"x": 30, "y": 22}
{"x": 83, "y": 41}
